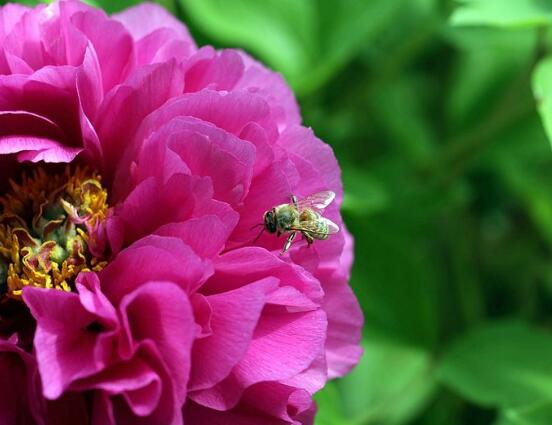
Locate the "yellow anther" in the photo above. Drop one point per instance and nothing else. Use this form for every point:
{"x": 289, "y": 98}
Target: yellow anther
{"x": 50, "y": 249}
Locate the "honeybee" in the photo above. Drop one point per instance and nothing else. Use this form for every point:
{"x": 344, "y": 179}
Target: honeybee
{"x": 303, "y": 216}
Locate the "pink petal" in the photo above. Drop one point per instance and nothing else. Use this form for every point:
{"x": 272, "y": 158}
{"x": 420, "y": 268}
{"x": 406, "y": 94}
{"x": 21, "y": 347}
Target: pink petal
{"x": 145, "y": 91}
{"x": 64, "y": 348}
{"x": 220, "y": 71}
{"x": 160, "y": 312}
{"x": 146, "y": 18}
{"x": 153, "y": 204}
{"x": 233, "y": 319}
{"x": 111, "y": 42}
{"x": 153, "y": 258}
{"x": 283, "y": 345}
{"x": 206, "y": 235}
{"x": 250, "y": 264}
{"x": 273, "y": 88}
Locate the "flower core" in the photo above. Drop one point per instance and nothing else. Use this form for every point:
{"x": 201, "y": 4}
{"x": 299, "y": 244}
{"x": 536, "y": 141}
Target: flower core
{"x": 47, "y": 223}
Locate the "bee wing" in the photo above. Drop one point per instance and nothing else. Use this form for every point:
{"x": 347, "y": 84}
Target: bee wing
{"x": 317, "y": 201}
{"x": 332, "y": 227}
{"x": 313, "y": 228}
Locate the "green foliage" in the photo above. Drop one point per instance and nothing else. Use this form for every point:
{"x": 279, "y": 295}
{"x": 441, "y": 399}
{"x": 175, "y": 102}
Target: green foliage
{"x": 539, "y": 414}
{"x": 307, "y": 40}
{"x": 500, "y": 364}
{"x": 542, "y": 87}
{"x": 404, "y": 378}
{"x": 440, "y": 113}
{"x": 511, "y": 13}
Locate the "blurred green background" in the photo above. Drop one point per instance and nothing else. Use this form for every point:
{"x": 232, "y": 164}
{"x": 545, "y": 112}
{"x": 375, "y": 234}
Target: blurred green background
{"x": 432, "y": 107}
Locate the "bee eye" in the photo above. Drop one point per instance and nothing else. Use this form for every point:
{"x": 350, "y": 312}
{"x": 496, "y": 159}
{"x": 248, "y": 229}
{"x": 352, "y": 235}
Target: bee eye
{"x": 270, "y": 222}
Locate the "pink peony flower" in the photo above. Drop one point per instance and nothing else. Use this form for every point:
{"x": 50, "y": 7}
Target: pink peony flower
{"x": 133, "y": 166}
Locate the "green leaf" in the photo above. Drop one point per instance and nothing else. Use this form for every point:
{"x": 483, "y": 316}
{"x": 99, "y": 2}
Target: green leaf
{"x": 364, "y": 194}
{"x": 540, "y": 414}
{"x": 329, "y": 406}
{"x": 500, "y": 364}
{"x": 112, "y": 6}
{"x": 513, "y": 13}
{"x": 488, "y": 60}
{"x": 542, "y": 89}
{"x": 390, "y": 386}
{"x": 526, "y": 169}
{"x": 307, "y": 40}
{"x": 396, "y": 275}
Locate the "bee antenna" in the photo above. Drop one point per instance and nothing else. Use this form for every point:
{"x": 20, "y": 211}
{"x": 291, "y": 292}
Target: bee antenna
{"x": 259, "y": 235}
{"x": 256, "y": 225}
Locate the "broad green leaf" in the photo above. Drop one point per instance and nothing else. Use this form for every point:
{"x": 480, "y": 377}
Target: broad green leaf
{"x": 390, "y": 386}
{"x": 527, "y": 170}
{"x": 329, "y": 406}
{"x": 510, "y": 13}
{"x": 364, "y": 194}
{"x": 540, "y": 414}
{"x": 542, "y": 89}
{"x": 307, "y": 40}
{"x": 487, "y": 63}
{"x": 412, "y": 135}
{"x": 500, "y": 364}
{"x": 110, "y": 6}
{"x": 397, "y": 273}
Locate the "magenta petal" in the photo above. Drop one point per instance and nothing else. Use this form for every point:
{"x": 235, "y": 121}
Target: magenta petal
{"x": 279, "y": 401}
{"x": 103, "y": 409}
{"x": 221, "y": 71}
{"x": 21, "y": 403}
{"x": 266, "y": 403}
{"x": 111, "y": 42}
{"x": 153, "y": 258}
{"x": 234, "y": 317}
{"x": 71, "y": 408}
{"x": 160, "y": 312}
{"x": 10, "y": 15}
{"x": 314, "y": 159}
{"x": 64, "y": 348}
{"x": 28, "y": 123}
{"x": 158, "y": 35}
{"x": 55, "y": 154}
{"x": 273, "y": 88}
{"x": 208, "y": 151}
{"x": 345, "y": 319}
{"x": 253, "y": 263}
{"x": 14, "y": 144}
{"x": 134, "y": 379}
{"x": 168, "y": 410}
{"x": 190, "y": 146}
{"x": 145, "y": 91}
{"x": 230, "y": 112}
{"x": 153, "y": 204}
{"x": 283, "y": 345}
{"x": 146, "y": 18}
{"x": 160, "y": 46}
{"x": 192, "y": 232}
{"x": 92, "y": 299}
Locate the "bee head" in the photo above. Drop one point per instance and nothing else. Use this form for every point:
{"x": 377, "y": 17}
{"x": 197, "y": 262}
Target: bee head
{"x": 270, "y": 221}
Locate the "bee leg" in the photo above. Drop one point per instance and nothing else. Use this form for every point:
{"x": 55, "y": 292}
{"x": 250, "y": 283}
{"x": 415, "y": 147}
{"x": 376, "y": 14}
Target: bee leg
{"x": 278, "y": 233}
{"x": 289, "y": 241}
{"x": 309, "y": 238}
{"x": 294, "y": 201}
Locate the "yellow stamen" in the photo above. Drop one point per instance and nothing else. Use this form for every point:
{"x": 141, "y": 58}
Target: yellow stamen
{"x": 45, "y": 222}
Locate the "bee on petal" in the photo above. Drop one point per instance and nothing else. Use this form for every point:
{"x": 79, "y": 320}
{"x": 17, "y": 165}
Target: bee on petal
{"x": 301, "y": 216}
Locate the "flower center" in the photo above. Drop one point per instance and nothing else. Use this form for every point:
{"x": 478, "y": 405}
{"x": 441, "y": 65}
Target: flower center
{"x": 47, "y": 228}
